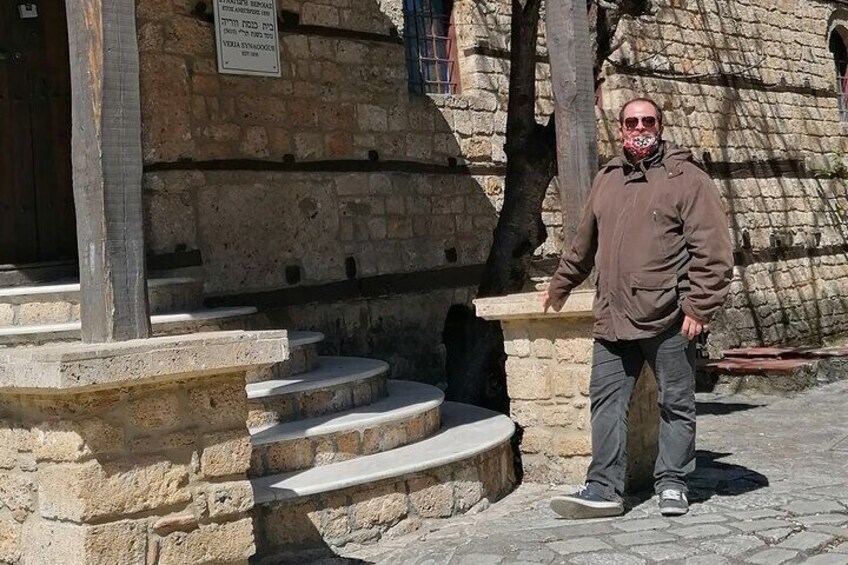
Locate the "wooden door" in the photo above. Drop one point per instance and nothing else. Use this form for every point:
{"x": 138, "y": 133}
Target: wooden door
{"x": 36, "y": 192}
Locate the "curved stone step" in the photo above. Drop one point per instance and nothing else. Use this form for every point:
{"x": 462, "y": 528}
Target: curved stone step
{"x": 303, "y": 357}
{"x": 303, "y": 348}
{"x": 45, "y": 304}
{"x": 335, "y": 385}
{"x": 408, "y": 414}
{"x": 299, "y": 339}
{"x": 212, "y": 319}
{"x": 466, "y": 431}
{"x": 468, "y": 462}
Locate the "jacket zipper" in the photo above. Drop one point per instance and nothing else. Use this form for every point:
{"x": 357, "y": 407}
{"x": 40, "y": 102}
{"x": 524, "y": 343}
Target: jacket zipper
{"x": 616, "y": 276}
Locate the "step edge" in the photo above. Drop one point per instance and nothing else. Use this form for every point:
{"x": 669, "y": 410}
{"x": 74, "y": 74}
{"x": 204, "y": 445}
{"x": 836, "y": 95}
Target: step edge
{"x": 303, "y": 382}
{"x": 203, "y": 314}
{"x": 7, "y": 295}
{"x": 265, "y": 490}
{"x": 300, "y": 340}
{"x": 155, "y": 320}
{"x": 301, "y": 429}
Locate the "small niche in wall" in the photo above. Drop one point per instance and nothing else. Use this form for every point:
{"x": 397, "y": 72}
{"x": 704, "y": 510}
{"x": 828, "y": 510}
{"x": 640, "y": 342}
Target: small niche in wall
{"x": 746, "y": 240}
{"x": 202, "y": 12}
{"x": 451, "y": 255}
{"x": 289, "y": 19}
{"x": 350, "y": 268}
{"x": 293, "y": 274}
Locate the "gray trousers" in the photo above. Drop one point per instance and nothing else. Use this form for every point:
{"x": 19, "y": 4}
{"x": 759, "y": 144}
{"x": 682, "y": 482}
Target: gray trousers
{"x": 616, "y": 366}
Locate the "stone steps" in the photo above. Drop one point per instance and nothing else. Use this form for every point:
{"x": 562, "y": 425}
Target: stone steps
{"x": 342, "y": 454}
{"x": 302, "y": 340}
{"x": 303, "y": 357}
{"x": 466, "y": 431}
{"x": 210, "y": 319}
{"x": 335, "y": 385}
{"x": 303, "y": 348}
{"x": 47, "y": 304}
{"x": 408, "y": 414}
{"x": 468, "y": 462}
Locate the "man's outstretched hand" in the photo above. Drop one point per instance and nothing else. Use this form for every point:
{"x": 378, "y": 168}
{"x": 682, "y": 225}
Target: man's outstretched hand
{"x": 692, "y": 328}
{"x": 548, "y": 301}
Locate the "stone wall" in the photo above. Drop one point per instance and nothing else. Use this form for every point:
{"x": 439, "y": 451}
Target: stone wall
{"x": 256, "y": 227}
{"x": 134, "y": 453}
{"x": 339, "y": 98}
{"x": 750, "y": 86}
{"x": 129, "y": 476}
{"x": 404, "y": 329}
{"x": 548, "y": 369}
{"x": 332, "y": 173}
{"x": 335, "y": 173}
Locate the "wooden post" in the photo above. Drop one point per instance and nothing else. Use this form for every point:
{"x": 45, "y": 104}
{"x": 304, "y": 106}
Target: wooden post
{"x": 570, "y": 52}
{"x": 106, "y": 157}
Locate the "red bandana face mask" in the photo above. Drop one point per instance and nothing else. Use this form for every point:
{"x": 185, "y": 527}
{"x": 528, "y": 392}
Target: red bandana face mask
{"x": 638, "y": 147}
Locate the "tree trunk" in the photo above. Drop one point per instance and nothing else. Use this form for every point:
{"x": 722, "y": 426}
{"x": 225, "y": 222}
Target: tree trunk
{"x": 475, "y": 355}
{"x": 474, "y": 347}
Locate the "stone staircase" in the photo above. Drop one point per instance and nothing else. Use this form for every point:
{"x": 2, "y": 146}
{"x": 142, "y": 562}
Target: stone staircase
{"x": 342, "y": 454}
{"x": 339, "y": 452}
{"x": 39, "y": 314}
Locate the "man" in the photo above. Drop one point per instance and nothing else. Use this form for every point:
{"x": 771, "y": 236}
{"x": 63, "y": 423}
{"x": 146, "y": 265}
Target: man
{"x": 655, "y": 230}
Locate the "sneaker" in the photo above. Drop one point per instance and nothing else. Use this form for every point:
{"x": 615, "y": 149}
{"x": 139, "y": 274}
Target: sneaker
{"x": 673, "y": 503}
{"x": 585, "y": 503}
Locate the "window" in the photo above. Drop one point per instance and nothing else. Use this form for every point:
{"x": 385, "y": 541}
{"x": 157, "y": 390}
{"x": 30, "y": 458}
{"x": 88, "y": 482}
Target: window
{"x": 430, "y": 46}
{"x": 840, "y": 59}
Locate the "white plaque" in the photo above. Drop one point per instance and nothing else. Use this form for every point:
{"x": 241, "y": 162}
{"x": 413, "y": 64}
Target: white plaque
{"x": 246, "y": 33}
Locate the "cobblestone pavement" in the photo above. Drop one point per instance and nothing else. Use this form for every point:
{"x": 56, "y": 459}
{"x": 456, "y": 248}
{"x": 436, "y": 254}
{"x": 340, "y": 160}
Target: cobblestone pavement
{"x": 771, "y": 489}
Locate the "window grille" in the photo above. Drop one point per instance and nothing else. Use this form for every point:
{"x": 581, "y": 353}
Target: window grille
{"x": 842, "y": 78}
{"x": 840, "y": 59}
{"x": 430, "y": 46}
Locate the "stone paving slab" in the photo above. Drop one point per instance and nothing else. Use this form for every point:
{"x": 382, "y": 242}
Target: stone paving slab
{"x": 770, "y": 489}
{"x": 772, "y": 556}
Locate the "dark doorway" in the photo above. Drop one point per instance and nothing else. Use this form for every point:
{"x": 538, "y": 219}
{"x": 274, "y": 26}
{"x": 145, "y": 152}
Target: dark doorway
{"x": 36, "y": 192}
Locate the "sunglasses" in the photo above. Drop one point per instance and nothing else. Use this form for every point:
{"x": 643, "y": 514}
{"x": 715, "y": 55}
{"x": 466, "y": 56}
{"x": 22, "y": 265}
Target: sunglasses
{"x": 633, "y": 123}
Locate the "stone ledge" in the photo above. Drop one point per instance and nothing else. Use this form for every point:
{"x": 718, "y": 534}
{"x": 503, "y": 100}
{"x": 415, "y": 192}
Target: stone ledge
{"x": 528, "y": 305}
{"x": 74, "y": 367}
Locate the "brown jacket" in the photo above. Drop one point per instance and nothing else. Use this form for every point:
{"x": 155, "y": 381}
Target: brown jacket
{"x": 658, "y": 235}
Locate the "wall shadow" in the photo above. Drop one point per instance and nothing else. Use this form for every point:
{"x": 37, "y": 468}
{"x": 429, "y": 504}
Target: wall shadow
{"x": 333, "y": 197}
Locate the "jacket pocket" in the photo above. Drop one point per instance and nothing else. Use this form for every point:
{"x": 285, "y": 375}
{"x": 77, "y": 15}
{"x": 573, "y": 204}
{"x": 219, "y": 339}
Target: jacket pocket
{"x": 653, "y": 296}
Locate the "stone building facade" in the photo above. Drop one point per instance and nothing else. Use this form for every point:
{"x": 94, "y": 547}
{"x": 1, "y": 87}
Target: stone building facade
{"x": 333, "y": 186}
{"x": 753, "y": 88}
{"x": 338, "y": 200}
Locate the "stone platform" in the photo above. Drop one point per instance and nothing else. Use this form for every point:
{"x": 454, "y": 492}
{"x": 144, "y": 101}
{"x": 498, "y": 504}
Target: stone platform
{"x": 133, "y": 452}
{"x": 772, "y": 370}
{"x": 548, "y": 367}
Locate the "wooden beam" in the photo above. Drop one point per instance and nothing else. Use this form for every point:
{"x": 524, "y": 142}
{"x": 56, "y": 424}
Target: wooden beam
{"x": 570, "y": 54}
{"x": 107, "y": 169}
